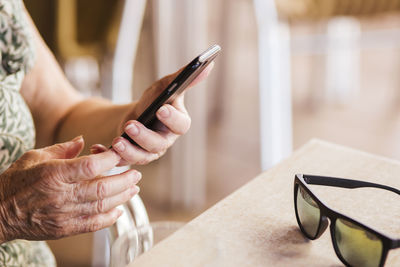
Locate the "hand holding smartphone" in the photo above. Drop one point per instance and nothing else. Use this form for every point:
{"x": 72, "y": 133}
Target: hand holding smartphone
{"x": 176, "y": 87}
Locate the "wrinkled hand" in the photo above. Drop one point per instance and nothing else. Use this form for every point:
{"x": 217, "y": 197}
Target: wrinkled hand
{"x": 174, "y": 121}
{"x": 50, "y": 193}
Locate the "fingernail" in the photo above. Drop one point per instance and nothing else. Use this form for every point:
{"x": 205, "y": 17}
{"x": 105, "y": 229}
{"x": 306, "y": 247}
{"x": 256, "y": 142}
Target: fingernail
{"x": 138, "y": 176}
{"x": 132, "y": 129}
{"x": 78, "y": 138}
{"x": 163, "y": 112}
{"x": 119, "y": 146}
{"x": 94, "y": 150}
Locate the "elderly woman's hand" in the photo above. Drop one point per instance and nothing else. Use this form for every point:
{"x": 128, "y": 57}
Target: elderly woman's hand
{"x": 50, "y": 193}
{"x": 173, "y": 121}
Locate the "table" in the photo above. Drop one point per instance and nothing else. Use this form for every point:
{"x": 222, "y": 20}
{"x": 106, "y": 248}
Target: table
{"x": 256, "y": 225}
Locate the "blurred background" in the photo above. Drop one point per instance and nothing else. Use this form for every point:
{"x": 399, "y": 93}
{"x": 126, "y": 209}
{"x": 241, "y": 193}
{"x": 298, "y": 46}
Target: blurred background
{"x": 289, "y": 71}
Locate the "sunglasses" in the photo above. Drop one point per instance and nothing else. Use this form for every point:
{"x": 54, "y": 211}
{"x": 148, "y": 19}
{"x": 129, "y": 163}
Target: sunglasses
{"x": 355, "y": 243}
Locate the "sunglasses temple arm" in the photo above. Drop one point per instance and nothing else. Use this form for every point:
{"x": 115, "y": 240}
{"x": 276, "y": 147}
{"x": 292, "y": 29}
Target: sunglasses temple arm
{"x": 345, "y": 183}
{"x": 395, "y": 244}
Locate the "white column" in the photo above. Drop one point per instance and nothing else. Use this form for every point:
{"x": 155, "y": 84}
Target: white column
{"x": 274, "y": 84}
{"x": 125, "y": 51}
{"x": 343, "y": 59}
{"x": 180, "y": 35}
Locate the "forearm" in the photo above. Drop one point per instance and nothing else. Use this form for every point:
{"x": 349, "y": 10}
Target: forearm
{"x": 97, "y": 119}
{"x": 59, "y": 111}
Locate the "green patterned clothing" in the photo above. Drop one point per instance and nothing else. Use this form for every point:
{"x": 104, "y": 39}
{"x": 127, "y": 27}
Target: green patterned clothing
{"x": 17, "y": 132}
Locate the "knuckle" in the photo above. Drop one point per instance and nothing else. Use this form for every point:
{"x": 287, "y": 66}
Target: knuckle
{"x": 163, "y": 146}
{"x": 59, "y": 221}
{"x": 101, "y": 190}
{"x": 185, "y": 126}
{"x": 67, "y": 229}
{"x": 160, "y": 154}
{"x": 89, "y": 167}
{"x": 155, "y": 149}
{"x": 101, "y": 206}
{"x": 94, "y": 226}
{"x": 76, "y": 193}
{"x": 188, "y": 124}
{"x": 160, "y": 147}
{"x": 59, "y": 227}
{"x": 58, "y": 203}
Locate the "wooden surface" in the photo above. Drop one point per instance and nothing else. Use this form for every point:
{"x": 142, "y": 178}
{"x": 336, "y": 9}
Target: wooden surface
{"x": 256, "y": 225}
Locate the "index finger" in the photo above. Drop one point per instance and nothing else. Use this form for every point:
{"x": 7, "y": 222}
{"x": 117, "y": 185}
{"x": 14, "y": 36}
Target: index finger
{"x": 179, "y": 102}
{"x": 164, "y": 82}
{"x": 90, "y": 166}
{"x": 161, "y": 84}
{"x": 202, "y": 75}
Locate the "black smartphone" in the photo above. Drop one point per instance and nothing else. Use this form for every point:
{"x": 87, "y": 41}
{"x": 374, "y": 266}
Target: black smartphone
{"x": 176, "y": 87}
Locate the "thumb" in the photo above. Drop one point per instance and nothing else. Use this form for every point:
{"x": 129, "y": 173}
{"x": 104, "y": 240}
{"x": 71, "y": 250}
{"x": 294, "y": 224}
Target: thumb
{"x": 66, "y": 150}
{"x": 203, "y": 75}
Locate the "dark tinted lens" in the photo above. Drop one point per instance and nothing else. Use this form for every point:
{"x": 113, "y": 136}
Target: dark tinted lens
{"x": 357, "y": 246}
{"x": 308, "y": 212}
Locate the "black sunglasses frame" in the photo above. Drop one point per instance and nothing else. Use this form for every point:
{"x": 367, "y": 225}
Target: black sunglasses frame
{"x": 304, "y": 180}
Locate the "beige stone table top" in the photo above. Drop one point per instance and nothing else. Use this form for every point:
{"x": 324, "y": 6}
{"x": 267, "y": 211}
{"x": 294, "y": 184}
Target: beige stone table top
{"x": 256, "y": 225}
